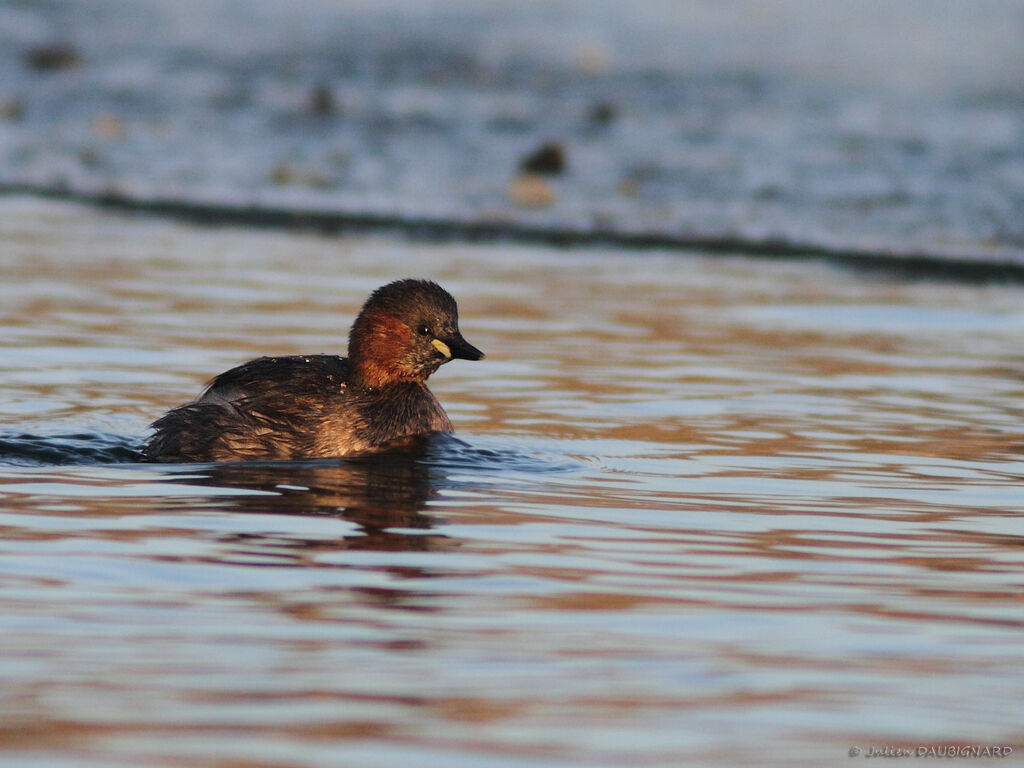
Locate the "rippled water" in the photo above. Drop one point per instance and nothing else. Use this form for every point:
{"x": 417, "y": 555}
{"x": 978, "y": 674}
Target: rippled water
{"x": 698, "y": 511}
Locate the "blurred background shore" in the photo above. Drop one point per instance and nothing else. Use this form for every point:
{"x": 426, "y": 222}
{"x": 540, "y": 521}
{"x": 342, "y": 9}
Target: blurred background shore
{"x": 884, "y": 127}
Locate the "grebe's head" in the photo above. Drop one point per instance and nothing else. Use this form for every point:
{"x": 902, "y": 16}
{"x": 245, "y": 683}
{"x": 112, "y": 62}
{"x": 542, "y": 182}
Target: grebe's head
{"x": 405, "y": 331}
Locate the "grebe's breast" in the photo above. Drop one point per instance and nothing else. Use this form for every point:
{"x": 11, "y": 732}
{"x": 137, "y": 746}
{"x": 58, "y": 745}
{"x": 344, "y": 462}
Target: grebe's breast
{"x": 364, "y": 420}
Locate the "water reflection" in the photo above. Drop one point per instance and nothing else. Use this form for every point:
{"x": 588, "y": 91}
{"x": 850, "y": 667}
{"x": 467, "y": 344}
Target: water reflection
{"x": 385, "y": 495}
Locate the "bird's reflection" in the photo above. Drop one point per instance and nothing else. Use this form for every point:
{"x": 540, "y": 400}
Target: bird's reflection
{"x": 385, "y": 495}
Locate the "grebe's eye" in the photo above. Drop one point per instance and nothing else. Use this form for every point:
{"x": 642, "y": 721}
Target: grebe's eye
{"x": 424, "y": 330}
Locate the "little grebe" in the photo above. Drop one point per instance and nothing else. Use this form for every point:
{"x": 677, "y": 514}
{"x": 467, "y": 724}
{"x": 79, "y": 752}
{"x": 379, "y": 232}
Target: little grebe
{"x": 323, "y": 405}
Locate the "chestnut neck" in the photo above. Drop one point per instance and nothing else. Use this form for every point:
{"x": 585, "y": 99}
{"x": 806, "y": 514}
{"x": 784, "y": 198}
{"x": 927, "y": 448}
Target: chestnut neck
{"x": 377, "y": 346}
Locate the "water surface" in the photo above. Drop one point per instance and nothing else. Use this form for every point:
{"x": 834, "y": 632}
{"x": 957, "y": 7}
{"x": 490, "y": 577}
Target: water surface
{"x": 699, "y": 511}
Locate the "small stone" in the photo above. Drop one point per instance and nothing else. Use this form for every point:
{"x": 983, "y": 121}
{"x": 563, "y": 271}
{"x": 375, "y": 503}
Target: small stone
{"x": 547, "y": 159}
{"x": 48, "y": 58}
{"x": 529, "y": 190}
{"x": 322, "y": 103}
{"x": 628, "y": 187}
{"x": 288, "y": 175}
{"x": 11, "y": 109}
{"x": 282, "y": 173}
{"x": 593, "y": 59}
{"x": 108, "y": 126}
{"x": 602, "y": 113}
{"x": 89, "y": 157}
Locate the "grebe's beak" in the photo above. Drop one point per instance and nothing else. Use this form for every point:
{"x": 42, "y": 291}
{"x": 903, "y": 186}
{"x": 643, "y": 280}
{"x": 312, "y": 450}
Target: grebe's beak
{"x": 457, "y": 347}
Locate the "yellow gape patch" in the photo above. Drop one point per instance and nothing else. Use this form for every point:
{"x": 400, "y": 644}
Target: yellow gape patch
{"x": 441, "y": 347}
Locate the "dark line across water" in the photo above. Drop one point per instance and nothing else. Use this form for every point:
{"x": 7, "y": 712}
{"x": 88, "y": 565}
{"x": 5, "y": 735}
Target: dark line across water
{"x": 910, "y": 265}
